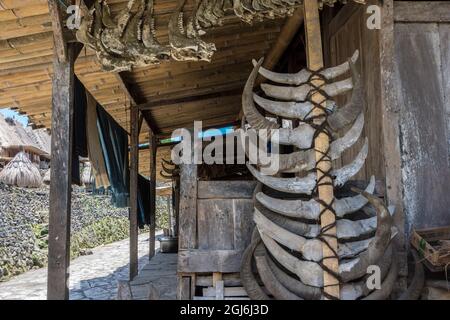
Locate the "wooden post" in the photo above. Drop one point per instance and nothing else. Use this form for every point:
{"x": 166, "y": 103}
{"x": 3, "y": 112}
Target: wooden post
{"x": 322, "y": 143}
{"x": 176, "y": 208}
{"x": 134, "y": 165}
{"x": 61, "y": 176}
{"x": 187, "y": 236}
{"x": 153, "y": 149}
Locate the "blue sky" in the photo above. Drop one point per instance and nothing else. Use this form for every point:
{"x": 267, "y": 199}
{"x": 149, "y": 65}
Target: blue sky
{"x": 14, "y": 114}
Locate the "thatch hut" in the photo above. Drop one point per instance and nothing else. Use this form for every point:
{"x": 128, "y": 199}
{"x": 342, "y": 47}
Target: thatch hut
{"x": 21, "y": 172}
{"x": 46, "y": 178}
{"x": 15, "y": 138}
{"x": 87, "y": 177}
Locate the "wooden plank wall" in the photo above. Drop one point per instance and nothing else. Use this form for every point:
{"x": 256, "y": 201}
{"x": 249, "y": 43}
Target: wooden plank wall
{"x": 422, "y": 54}
{"x": 221, "y": 226}
{"x": 345, "y": 33}
{"x": 215, "y": 228}
{"x": 418, "y": 100}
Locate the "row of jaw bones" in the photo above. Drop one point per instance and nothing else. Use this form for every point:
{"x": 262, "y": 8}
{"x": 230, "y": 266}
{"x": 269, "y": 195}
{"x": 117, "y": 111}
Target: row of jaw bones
{"x": 169, "y": 170}
{"x": 128, "y": 39}
{"x": 284, "y": 226}
{"x": 211, "y": 13}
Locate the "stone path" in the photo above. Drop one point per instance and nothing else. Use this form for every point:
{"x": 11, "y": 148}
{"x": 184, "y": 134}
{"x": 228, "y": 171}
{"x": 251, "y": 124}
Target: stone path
{"x": 161, "y": 272}
{"x": 92, "y": 277}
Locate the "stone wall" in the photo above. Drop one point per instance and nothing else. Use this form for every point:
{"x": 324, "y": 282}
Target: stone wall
{"x": 24, "y": 226}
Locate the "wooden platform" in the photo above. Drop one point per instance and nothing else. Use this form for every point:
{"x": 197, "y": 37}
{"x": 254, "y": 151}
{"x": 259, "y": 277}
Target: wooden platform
{"x": 161, "y": 273}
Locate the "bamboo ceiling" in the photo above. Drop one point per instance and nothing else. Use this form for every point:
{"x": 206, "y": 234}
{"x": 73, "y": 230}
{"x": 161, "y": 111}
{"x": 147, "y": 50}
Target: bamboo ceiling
{"x": 173, "y": 94}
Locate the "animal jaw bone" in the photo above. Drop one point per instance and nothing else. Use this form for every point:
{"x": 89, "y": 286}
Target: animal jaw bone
{"x": 185, "y": 42}
{"x": 128, "y": 39}
{"x": 307, "y": 184}
{"x": 310, "y": 210}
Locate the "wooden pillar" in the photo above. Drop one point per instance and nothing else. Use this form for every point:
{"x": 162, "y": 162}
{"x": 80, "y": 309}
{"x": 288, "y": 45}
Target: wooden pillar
{"x": 390, "y": 115}
{"x": 61, "y": 176}
{"x": 176, "y": 204}
{"x": 134, "y": 165}
{"x": 322, "y": 143}
{"x": 153, "y": 149}
{"x": 187, "y": 236}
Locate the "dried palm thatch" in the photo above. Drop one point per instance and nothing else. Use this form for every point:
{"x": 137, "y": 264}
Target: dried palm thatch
{"x": 46, "y": 178}
{"x": 21, "y": 172}
{"x": 87, "y": 177}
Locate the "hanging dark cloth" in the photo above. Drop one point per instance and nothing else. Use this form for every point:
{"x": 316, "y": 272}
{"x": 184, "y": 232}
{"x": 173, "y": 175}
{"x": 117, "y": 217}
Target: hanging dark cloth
{"x": 79, "y": 130}
{"x": 143, "y": 201}
{"x": 114, "y": 142}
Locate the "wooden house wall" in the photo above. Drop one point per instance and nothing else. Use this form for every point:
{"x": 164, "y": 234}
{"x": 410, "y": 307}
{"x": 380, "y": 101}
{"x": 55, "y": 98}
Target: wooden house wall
{"x": 220, "y": 228}
{"x": 422, "y": 55}
{"x": 418, "y": 99}
{"x": 345, "y": 33}
{"x": 215, "y": 223}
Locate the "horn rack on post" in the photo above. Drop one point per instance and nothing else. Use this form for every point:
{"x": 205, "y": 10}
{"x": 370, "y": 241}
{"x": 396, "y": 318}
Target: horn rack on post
{"x": 307, "y": 243}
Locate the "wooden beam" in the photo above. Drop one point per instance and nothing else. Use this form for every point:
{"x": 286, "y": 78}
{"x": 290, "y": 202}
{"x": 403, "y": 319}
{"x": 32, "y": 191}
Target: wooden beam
{"x": 54, "y": 7}
{"x": 134, "y": 167}
{"x": 153, "y": 149}
{"x": 61, "y": 177}
{"x": 125, "y": 87}
{"x": 141, "y": 121}
{"x": 428, "y": 11}
{"x": 132, "y": 96}
{"x": 165, "y": 101}
{"x": 285, "y": 37}
{"x": 390, "y": 117}
{"x": 322, "y": 143}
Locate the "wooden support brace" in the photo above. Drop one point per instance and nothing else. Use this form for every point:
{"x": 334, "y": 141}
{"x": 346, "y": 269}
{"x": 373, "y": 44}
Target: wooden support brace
{"x": 287, "y": 33}
{"x": 322, "y": 143}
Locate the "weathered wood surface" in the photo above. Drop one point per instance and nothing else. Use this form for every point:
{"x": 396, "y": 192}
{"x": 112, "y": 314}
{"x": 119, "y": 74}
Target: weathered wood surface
{"x": 430, "y": 293}
{"x": 61, "y": 177}
{"x": 425, "y": 11}
{"x": 215, "y": 224}
{"x": 187, "y": 238}
{"x": 422, "y": 78}
{"x": 184, "y": 288}
{"x": 152, "y": 150}
{"x": 56, "y": 15}
{"x": 226, "y": 189}
{"x": 227, "y": 292}
{"x": 134, "y": 165}
{"x": 345, "y": 33}
{"x": 225, "y": 261}
{"x": 230, "y": 280}
{"x": 325, "y": 190}
{"x": 224, "y": 224}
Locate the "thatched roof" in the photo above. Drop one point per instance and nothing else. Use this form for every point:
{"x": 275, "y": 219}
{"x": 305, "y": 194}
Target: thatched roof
{"x": 21, "y": 172}
{"x": 14, "y": 135}
{"x": 41, "y": 138}
{"x": 46, "y": 178}
{"x": 87, "y": 176}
